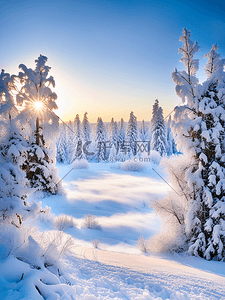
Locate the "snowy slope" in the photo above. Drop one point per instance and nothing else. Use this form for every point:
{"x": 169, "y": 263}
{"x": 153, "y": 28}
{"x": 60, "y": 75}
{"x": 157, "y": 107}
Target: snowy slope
{"x": 128, "y": 276}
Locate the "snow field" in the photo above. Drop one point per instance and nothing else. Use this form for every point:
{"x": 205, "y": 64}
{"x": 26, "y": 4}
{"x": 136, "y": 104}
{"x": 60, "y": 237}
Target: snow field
{"x": 118, "y": 199}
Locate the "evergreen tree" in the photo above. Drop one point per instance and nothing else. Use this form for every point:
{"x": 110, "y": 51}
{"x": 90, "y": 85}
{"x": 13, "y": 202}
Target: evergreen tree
{"x": 121, "y": 136}
{"x": 170, "y": 142}
{"x": 200, "y": 128}
{"x": 158, "y": 141}
{"x": 113, "y": 133}
{"x": 77, "y": 127}
{"x": 122, "y": 131}
{"x": 131, "y": 134}
{"x": 186, "y": 81}
{"x": 100, "y": 140}
{"x": 143, "y": 131}
{"x": 38, "y": 100}
{"x": 61, "y": 145}
{"x": 112, "y": 154}
{"x": 214, "y": 62}
{"x": 70, "y": 142}
{"x": 110, "y": 129}
{"x": 13, "y": 152}
{"x": 77, "y": 152}
{"x": 86, "y": 129}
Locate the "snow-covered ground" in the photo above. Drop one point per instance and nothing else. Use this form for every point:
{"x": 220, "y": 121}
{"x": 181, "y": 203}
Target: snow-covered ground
{"x": 119, "y": 200}
{"x": 117, "y": 269}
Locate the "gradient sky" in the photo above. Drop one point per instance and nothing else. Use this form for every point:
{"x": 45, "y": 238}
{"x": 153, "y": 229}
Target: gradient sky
{"x": 108, "y": 57}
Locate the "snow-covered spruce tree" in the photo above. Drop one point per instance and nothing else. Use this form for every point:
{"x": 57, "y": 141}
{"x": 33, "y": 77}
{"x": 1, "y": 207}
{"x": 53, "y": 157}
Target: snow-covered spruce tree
{"x": 170, "y": 142}
{"x": 100, "y": 140}
{"x": 143, "y": 131}
{"x": 14, "y": 208}
{"x": 86, "y": 129}
{"x": 158, "y": 141}
{"x": 132, "y": 134}
{"x": 61, "y": 144}
{"x": 37, "y": 100}
{"x": 113, "y": 134}
{"x": 122, "y": 131}
{"x": 12, "y": 178}
{"x": 110, "y": 129}
{"x": 77, "y": 140}
{"x": 15, "y": 233}
{"x": 86, "y": 137}
{"x": 113, "y": 154}
{"x": 121, "y": 137}
{"x": 202, "y": 136}
{"x": 70, "y": 142}
{"x": 175, "y": 208}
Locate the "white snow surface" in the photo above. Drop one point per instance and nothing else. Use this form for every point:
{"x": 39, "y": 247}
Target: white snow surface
{"x": 119, "y": 201}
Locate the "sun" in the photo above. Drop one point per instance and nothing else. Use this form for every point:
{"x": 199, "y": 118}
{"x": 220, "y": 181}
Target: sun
{"x": 38, "y": 105}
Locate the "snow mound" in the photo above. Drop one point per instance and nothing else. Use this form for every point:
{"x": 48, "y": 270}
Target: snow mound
{"x": 134, "y": 166}
{"x": 155, "y": 157}
{"x": 80, "y": 164}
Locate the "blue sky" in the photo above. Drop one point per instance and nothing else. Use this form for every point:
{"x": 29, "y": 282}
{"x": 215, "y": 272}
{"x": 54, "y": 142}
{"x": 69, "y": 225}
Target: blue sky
{"x": 109, "y": 57}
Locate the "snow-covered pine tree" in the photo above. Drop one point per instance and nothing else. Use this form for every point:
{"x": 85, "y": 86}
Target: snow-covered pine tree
{"x": 86, "y": 129}
{"x": 175, "y": 208}
{"x": 110, "y": 130}
{"x": 202, "y": 136}
{"x": 214, "y": 63}
{"x": 158, "y": 141}
{"x": 61, "y": 144}
{"x": 169, "y": 138}
{"x": 70, "y": 142}
{"x": 6, "y": 104}
{"x": 170, "y": 142}
{"x": 13, "y": 151}
{"x": 37, "y": 100}
{"x": 121, "y": 136}
{"x": 113, "y": 134}
{"x": 143, "y": 131}
{"x": 113, "y": 154}
{"x": 77, "y": 140}
{"x": 132, "y": 134}
{"x": 100, "y": 140}
{"x": 187, "y": 80}
{"x": 86, "y": 137}
{"x": 122, "y": 131}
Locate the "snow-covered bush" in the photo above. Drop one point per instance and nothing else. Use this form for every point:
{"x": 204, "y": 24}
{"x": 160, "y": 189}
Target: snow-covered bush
{"x": 96, "y": 243}
{"x": 155, "y": 157}
{"x": 80, "y": 164}
{"x": 90, "y": 222}
{"x": 54, "y": 245}
{"x": 169, "y": 239}
{"x": 62, "y": 222}
{"x": 132, "y": 165}
{"x": 142, "y": 244}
